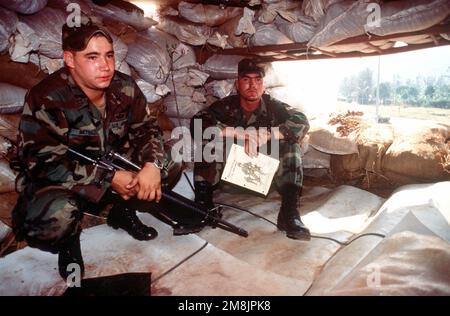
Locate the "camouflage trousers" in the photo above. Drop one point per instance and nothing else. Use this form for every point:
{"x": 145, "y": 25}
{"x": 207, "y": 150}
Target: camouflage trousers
{"x": 47, "y": 217}
{"x": 290, "y": 170}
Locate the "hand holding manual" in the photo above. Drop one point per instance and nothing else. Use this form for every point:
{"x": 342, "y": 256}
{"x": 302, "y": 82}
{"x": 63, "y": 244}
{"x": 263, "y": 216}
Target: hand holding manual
{"x": 253, "y": 173}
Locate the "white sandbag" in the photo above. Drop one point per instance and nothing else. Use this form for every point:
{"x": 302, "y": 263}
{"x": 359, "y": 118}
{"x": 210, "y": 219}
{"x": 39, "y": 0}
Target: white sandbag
{"x": 272, "y": 78}
{"x": 48, "y": 34}
{"x": 148, "y": 90}
{"x": 11, "y": 98}
{"x": 124, "y": 68}
{"x": 220, "y": 88}
{"x": 343, "y": 20}
{"x": 84, "y": 5}
{"x": 22, "y": 43}
{"x": 228, "y": 30}
{"x": 132, "y": 15}
{"x": 24, "y": 6}
{"x": 162, "y": 90}
{"x": 409, "y": 16}
{"x": 186, "y": 107}
{"x": 222, "y": 66}
{"x": 196, "y": 77}
{"x": 8, "y": 22}
{"x": 211, "y": 15}
{"x": 283, "y": 8}
{"x": 7, "y": 177}
{"x": 218, "y": 40}
{"x": 301, "y": 31}
{"x": 150, "y": 61}
{"x": 199, "y": 97}
{"x": 268, "y": 34}
{"x": 46, "y": 64}
{"x": 183, "y": 55}
{"x": 245, "y": 24}
{"x": 187, "y": 32}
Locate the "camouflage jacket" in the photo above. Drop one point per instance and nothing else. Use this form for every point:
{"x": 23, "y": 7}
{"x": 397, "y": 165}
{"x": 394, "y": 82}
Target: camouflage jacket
{"x": 271, "y": 113}
{"x": 58, "y": 114}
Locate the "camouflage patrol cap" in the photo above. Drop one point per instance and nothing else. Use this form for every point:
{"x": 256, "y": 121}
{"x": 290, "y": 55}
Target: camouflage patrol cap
{"x": 247, "y": 66}
{"x": 76, "y": 38}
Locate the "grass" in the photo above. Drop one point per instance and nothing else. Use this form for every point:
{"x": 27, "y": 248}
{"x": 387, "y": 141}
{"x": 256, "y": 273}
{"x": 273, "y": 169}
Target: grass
{"x": 402, "y": 111}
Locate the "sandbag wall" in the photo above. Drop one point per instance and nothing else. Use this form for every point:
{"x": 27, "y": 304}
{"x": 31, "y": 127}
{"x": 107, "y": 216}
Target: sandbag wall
{"x": 383, "y": 155}
{"x": 160, "y": 54}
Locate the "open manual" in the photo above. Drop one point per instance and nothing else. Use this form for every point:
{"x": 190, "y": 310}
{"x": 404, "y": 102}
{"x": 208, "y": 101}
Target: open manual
{"x": 253, "y": 173}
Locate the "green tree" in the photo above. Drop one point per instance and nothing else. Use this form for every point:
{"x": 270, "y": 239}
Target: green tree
{"x": 365, "y": 86}
{"x": 385, "y": 92}
{"x": 429, "y": 91}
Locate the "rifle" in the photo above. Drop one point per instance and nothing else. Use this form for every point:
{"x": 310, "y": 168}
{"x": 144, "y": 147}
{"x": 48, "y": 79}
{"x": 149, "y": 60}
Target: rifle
{"x": 113, "y": 161}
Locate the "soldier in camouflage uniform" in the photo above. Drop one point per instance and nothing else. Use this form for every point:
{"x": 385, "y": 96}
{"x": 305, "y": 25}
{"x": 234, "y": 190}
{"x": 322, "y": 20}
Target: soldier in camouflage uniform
{"x": 252, "y": 108}
{"x": 92, "y": 108}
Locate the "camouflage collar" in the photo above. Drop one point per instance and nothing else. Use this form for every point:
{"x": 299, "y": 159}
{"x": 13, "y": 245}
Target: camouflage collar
{"x": 260, "y": 111}
{"x": 81, "y": 99}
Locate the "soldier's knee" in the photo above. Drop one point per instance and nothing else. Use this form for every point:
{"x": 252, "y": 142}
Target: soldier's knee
{"x": 52, "y": 217}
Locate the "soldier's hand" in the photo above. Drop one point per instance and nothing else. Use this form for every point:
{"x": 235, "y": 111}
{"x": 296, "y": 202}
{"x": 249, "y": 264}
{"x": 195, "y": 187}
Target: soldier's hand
{"x": 120, "y": 182}
{"x": 148, "y": 181}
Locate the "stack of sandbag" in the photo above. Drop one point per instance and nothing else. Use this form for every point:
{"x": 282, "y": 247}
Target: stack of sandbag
{"x": 11, "y": 98}
{"x": 409, "y": 16}
{"x": 418, "y": 153}
{"x": 7, "y": 175}
{"x": 403, "y": 153}
{"x": 24, "y": 6}
{"x": 8, "y": 24}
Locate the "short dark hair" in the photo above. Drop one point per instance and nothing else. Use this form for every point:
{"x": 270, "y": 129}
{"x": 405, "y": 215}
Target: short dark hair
{"x": 76, "y": 38}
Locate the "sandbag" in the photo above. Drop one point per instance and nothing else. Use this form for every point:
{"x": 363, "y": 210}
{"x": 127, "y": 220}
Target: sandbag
{"x": 211, "y": 15}
{"x": 409, "y": 16}
{"x": 417, "y": 153}
{"x": 187, "y": 32}
{"x": 220, "y": 88}
{"x": 334, "y": 138}
{"x": 284, "y": 8}
{"x": 24, "y": 6}
{"x": 8, "y": 22}
{"x": 18, "y": 74}
{"x": 46, "y": 64}
{"x": 183, "y": 55}
{"x": 150, "y": 61}
{"x": 124, "y": 12}
{"x": 222, "y": 66}
{"x": 373, "y": 142}
{"x": 314, "y": 159}
{"x": 9, "y": 126}
{"x": 84, "y": 5}
{"x": 186, "y": 107}
{"x": 228, "y": 31}
{"x": 300, "y": 31}
{"x": 48, "y": 34}
{"x": 7, "y": 177}
{"x": 148, "y": 90}
{"x": 343, "y": 20}
{"x": 268, "y": 34}
{"x": 11, "y": 98}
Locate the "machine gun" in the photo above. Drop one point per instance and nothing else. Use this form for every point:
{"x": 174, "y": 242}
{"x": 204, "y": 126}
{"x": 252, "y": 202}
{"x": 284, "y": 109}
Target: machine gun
{"x": 113, "y": 161}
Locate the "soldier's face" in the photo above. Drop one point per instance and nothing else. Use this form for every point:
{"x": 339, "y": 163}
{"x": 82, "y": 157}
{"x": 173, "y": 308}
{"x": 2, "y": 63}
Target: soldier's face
{"x": 250, "y": 86}
{"x": 93, "y": 68}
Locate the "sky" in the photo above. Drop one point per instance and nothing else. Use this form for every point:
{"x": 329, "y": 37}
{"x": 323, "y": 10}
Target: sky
{"x": 313, "y": 85}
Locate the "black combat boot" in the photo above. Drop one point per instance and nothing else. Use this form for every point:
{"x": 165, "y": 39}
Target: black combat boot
{"x": 122, "y": 217}
{"x": 196, "y": 221}
{"x": 288, "y": 217}
{"x": 70, "y": 253}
